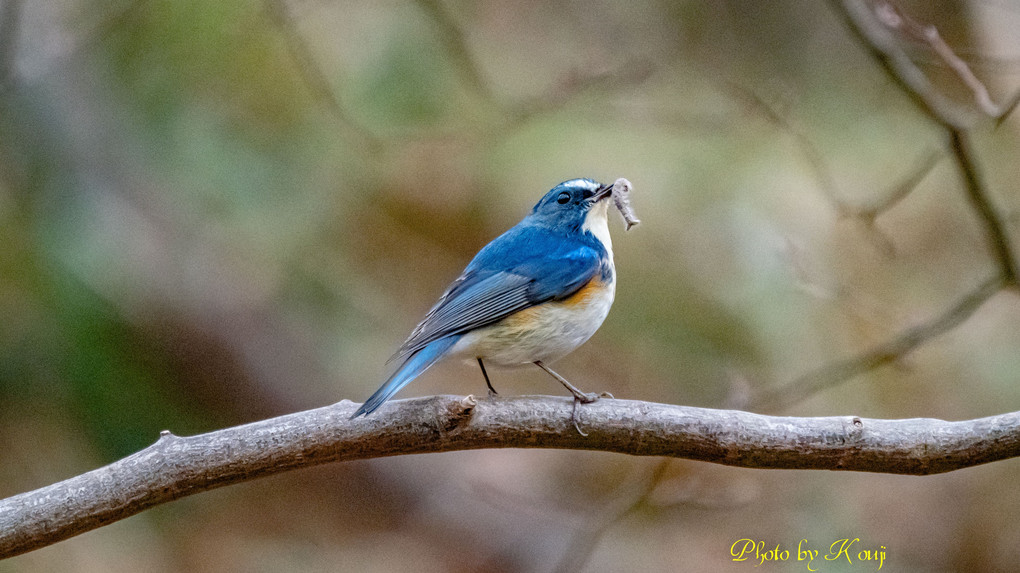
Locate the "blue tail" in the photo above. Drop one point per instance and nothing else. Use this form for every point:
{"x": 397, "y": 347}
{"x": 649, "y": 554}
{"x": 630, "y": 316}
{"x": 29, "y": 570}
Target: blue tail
{"x": 411, "y": 368}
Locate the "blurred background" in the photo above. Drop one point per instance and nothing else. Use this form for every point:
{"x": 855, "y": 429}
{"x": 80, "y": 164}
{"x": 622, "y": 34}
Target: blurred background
{"x": 216, "y": 212}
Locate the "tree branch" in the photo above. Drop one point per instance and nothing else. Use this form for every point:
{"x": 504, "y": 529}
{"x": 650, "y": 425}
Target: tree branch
{"x": 579, "y": 551}
{"x": 834, "y": 373}
{"x": 864, "y": 20}
{"x": 311, "y": 72}
{"x": 873, "y": 25}
{"x": 995, "y": 227}
{"x": 455, "y": 41}
{"x": 897, "y": 193}
{"x": 175, "y": 467}
{"x": 894, "y": 18}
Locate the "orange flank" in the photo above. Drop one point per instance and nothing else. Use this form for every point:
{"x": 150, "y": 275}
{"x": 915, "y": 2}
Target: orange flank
{"x": 529, "y": 317}
{"x": 584, "y": 294}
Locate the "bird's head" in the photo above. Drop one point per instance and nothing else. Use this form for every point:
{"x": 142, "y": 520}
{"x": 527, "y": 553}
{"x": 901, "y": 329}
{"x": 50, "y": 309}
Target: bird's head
{"x": 577, "y": 205}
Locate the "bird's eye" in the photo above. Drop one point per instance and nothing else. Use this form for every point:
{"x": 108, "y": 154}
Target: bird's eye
{"x": 563, "y": 198}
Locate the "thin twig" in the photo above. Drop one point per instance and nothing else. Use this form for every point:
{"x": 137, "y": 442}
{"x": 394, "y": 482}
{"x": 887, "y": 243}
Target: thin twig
{"x": 884, "y": 47}
{"x": 1008, "y": 109}
{"x": 995, "y": 227}
{"x": 453, "y": 37}
{"x": 873, "y": 27}
{"x": 457, "y": 46}
{"x": 576, "y": 83}
{"x": 311, "y": 73}
{"x": 10, "y": 21}
{"x": 823, "y": 174}
{"x": 832, "y": 374}
{"x": 868, "y": 215}
{"x": 579, "y": 551}
{"x": 810, "y": 152}
{"x": 176, "y": 467}
{"x": 901, "y": 190}
{"x": 895, "y": 18}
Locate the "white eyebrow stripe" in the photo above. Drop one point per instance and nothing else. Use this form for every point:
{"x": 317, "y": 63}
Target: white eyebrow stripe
{"x": 582, "y": 183}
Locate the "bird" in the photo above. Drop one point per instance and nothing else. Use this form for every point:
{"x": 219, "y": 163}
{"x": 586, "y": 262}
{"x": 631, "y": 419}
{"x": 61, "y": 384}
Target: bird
{"x": 531, "y": 296}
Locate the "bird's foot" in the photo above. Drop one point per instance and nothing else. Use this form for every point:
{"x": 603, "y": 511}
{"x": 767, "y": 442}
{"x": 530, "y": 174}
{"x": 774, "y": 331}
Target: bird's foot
{"x": 573, "y": 415}
{"x": 585, "y": 398}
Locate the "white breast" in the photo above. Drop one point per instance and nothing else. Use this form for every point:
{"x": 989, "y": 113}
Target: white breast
{"x": 597, "y": 223}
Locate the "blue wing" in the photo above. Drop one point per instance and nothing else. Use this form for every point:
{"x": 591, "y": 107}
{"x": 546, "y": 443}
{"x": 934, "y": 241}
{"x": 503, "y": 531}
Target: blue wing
{"x": 525, "y": 266}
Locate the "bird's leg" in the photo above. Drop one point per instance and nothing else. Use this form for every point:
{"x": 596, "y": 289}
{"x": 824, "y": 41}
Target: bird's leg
{"x": 579, "y": 396}
{"x": 582, "y": 397}
{"x": 492, "y": 391}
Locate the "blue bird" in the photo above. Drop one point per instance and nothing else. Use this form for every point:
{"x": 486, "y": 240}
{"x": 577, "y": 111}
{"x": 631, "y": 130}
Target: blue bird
{"x": 531, "y": 296}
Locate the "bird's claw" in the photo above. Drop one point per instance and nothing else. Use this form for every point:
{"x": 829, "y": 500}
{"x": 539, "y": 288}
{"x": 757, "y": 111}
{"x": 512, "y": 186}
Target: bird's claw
{"x": 585, "y": 398}
{"x": 573, "y": 415}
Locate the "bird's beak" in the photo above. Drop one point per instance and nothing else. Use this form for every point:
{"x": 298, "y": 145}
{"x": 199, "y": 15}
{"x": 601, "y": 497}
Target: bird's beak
{"x": 602, "y": 192}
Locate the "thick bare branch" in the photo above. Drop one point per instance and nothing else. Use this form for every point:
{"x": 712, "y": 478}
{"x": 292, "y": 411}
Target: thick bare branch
{"x": 175, "y": 467}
